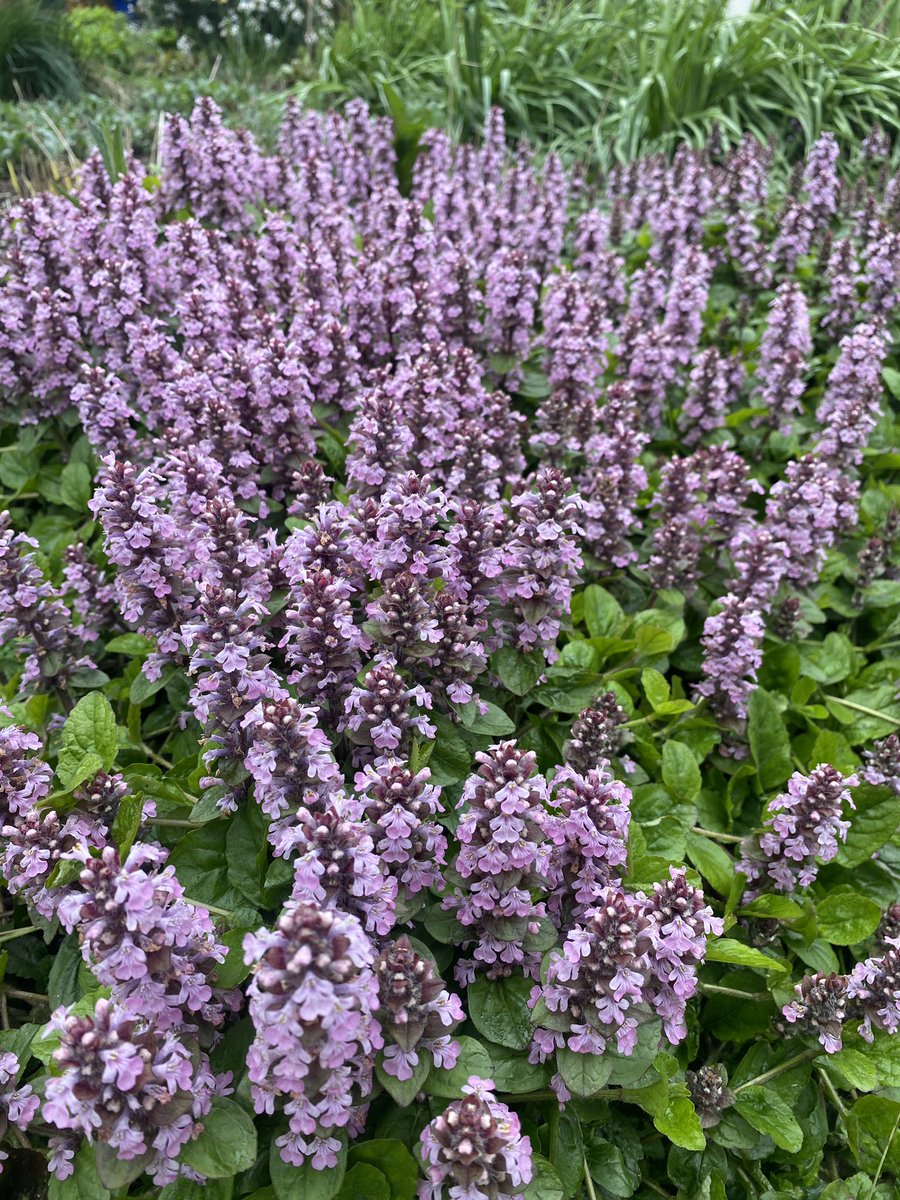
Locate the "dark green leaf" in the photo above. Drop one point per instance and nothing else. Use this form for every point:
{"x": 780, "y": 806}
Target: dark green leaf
{"x": 499, "y": 1010}
{"x": 227, "y": 1144}
{"x": 584, "y": 1074}
{"x": 363, "y": 1182}
{"x": 545, "y": 1183}
{"x": 769, "y": 742}
{"x": 518, "y": 672}
{"x": 84, "y": 1184}
{"x": 393, "y": 1160}
{"x": 404, "y": 1092}
{"x": 766, "y": 1111}
{"x": 680, "y": 772}
{"x": 845, "y": 917}
{"x": 90, "y": 728}
{"x": 473, "y": 1060}
{"x": 305, "y": 1183}
{"x": 603, "y": 614}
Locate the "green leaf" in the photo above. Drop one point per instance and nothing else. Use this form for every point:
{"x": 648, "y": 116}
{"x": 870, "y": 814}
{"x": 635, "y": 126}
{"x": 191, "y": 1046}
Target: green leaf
{"x": 75, "y": 487}
{"x": 584, "y": 1074}
{"x": 305, "y": 1183}
{"x": 84, "y": 1184}
{"x": 680, "y": 1124}
{"x": 765, "y": 1110}
{"x": 233, "y": 970}
{"x": 450, "y": 760}
{"x": 713, "y": 862}
{"x": 680, "y": 772}
{"x": 518, "y": 672}
{"x": 512, "y": 1072}
{"x": 779, "y": 908}
{"x": 404, "y": 1091}
{"x": 127, "y": 822}
{"x": 115, "y": 1172}
{"x": 884, "y": 1055}
{"x": 494, "y": 722}
{"x": 829, "y": 661}
{"x": 227, "y": 1144}
{"x": 245, "y": 852}
{"x": 499, "y": 1009}
{"x": 208, "y": 1189}
{"x": 603, "y": 613}
{"x": 363, "y": 1182}
{"x": 855, "y": 1069}
{"x": 769, "y": 742}
{"x": 62, "y": 986}
{"x": 874, "y": 1128}
{"x": 545, "y": 1182}
{"x": 393, "y": 1160}
{"x": 656, "y": 687}
{"x": 143, "y": 688}
{"x": 726, "y": 950}
{"x": 846, "y": 917}
{"x": 90, "y": 729}
{"x": 875, "y": 821}
{"x": 134, "y": 645}
{"x": 473, "y": 1060}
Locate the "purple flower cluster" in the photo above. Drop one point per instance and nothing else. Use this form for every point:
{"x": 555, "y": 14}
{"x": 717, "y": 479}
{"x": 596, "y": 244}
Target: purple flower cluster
{"x": 313, "y": 998}
{"x": 475, "y": 1149}
{"x": 128, "y": 1086}
{"x": 805, "y": 826}
{"x": 18, "y": 1105}
{"x": 503, "y": 861}
{"x": 416, "y": 1013}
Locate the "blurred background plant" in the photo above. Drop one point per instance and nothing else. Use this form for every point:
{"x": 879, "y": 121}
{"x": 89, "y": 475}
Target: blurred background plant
{"x": 610, "y": 78}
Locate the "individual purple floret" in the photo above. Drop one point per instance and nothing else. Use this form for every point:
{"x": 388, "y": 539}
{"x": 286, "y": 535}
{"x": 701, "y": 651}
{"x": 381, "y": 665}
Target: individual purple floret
{"x": 821, "y": 1008}
{"x": 784, "y": 356}
{"x": 475, "y": 1149}
{"x": 805, "y": 827}
{"x": 503, "y": 860}
{"x": 129, "y": 1085}
{"x": 24, "y": 779}
{"x": 313, "y": 999}
{"x": 416, "y": 1013}
{"x": 588, "y": 826}
{"x": 882, "y": 763}
{"x": 335, "y": 865}
{"x": 595, "y": 735}
{"x": 732, "y": 646}
{"x": 381, "y": 711}
{"x": 874, "y": 991}
{"x": 18, "y": 1105}
{"x": 683, "y": 920}
{"x": 142, "y": 938}
{"x": 398, "y": 807}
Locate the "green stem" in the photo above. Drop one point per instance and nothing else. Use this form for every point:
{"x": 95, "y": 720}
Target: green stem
{"x": 220, "y": 912}
{"x": 174, "y": 823}
{"x": 715, "y": 990}
{"x": 18, "y": 994}
{"x": 9, "y": 934}
{"x": 869, "y": 712}
{"x": 553, "y": 1134}
{"x": 588, "y": 1182}
{"x": 157, "y": 758}
{"x": 884, "y": 1154}
{"x": 830, "y": 1089}
{"x": 780, "y": 1070}
{"x": 717, "y": 837}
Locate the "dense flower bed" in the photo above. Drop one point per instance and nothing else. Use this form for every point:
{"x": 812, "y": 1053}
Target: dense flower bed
{"x": 449, "y": 745}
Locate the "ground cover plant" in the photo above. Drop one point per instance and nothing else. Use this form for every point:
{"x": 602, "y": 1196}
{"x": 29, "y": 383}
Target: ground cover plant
{"x": 449, "y": 639}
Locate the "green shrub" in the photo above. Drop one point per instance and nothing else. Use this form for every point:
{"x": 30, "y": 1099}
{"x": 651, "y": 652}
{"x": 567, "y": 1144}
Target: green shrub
{"x": 34, "y": 58}
{"x": 100, "y": 37}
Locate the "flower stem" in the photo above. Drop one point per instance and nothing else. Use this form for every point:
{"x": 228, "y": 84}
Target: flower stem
{"x": 717, "y": 837}
{"x": 588, "y": 1182}
{"x": 870, "y": 712}
{"x": 9, "y": 934}
{"x": 780, "y": 1070}
{"x": 715, "y": 990}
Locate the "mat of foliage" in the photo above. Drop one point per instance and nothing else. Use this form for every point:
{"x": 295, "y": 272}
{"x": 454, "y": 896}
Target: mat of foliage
{"x": 449, "y": 653}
